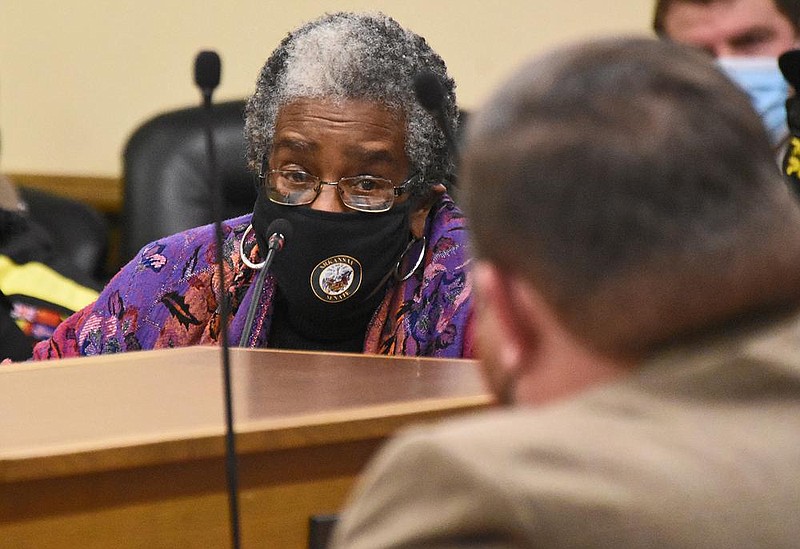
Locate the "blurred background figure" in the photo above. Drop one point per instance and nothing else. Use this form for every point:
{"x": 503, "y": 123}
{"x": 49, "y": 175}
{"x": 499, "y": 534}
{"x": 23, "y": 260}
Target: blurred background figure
{"x": 39, "y": 287}
{"x": 746, "y": 37}
{"x": 730, "y": 28}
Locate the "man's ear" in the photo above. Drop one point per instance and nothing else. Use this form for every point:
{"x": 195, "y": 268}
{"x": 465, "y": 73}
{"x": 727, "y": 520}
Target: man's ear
{"x": 419, "y": 212}
{"x": 504, "y": 316}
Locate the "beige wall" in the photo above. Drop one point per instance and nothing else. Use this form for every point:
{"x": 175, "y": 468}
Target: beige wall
{"x": 76, "y": 76}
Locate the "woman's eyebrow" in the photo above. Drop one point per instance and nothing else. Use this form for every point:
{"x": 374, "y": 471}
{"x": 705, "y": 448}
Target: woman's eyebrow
{"x": 294, "y": 144}
{"x": 371, "y": 155}
{"x": 364, "y": 154}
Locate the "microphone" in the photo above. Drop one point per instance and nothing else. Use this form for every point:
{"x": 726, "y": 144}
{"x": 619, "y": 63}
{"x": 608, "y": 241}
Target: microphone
{"x": 207, "y": 68}
{"x": 431, "y": 95}
{"x": 279, "y": 231}
{"x": 789, "y": 63}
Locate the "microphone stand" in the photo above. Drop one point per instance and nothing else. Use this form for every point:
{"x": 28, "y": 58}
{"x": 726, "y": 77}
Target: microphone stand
{"x": 278, "y": 230}
{"x": 207, "y": 78}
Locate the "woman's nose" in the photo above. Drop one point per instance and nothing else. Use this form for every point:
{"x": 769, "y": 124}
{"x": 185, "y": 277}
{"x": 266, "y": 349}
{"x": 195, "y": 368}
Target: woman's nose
{"x": 328, "y": 200}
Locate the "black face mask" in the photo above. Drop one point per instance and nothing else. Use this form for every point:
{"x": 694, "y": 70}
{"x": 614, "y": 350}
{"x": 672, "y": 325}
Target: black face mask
{"x": 333, "y": 272}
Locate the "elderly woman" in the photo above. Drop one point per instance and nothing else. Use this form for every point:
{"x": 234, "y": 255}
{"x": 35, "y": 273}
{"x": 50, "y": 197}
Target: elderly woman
{"x": 377, "y": 259}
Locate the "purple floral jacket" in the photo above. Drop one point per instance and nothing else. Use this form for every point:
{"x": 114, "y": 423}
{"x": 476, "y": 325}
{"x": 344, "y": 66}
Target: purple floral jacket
{"x": 165, "y": 298}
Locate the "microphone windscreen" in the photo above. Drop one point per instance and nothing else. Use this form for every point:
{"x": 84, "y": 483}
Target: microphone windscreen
{"x": 280, "y": 226}
{"x": 429, "y": 90}
{"x": 207, "y": 68}
{"x": 789, "y": 62}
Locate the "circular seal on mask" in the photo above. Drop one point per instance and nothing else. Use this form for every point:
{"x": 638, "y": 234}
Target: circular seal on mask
{"x": 336, "y": 279}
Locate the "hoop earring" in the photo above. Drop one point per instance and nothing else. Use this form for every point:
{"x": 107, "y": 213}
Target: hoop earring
{"x": 402, "y": 278}
{"x": 243, "y": 256}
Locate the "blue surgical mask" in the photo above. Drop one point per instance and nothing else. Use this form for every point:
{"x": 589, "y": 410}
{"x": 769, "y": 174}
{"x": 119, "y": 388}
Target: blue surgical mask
{"x": 761, "y": 78}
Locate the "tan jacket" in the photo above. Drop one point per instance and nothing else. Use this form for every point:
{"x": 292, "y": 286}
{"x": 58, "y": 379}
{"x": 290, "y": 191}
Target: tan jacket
{"x": 701, "y": 448}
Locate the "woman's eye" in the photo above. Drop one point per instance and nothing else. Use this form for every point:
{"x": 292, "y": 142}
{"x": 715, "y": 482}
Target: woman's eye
{"x": 296, "y": 176}
{"x": 365, "y": 185}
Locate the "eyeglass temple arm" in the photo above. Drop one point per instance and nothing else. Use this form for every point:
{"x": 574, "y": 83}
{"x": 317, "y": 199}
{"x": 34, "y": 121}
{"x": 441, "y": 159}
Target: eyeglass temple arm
{"x": 402, "y": 188}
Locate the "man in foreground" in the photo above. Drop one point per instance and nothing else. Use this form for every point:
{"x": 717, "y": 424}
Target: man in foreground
{"x": 638, "y": 293}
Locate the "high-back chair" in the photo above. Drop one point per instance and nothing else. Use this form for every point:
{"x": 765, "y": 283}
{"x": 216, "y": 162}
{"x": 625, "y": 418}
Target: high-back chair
{"x": 165, "y": 170}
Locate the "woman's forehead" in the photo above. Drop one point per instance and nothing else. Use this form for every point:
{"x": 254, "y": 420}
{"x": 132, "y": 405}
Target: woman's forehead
{"x": 342, "y": 110}
{"x": 309, "y": 123}
{"x": 341, "y": 136}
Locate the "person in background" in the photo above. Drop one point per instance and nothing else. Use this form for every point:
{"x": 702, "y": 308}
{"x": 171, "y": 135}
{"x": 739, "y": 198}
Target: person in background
{"x": 638, "y": 312}
{"x": 38, "y": 289}
{"x": 746, "y": 37}
{"x": 377, "y": 261}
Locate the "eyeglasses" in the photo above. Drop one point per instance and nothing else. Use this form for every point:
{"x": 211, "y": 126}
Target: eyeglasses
{"x": 363, "y": 193}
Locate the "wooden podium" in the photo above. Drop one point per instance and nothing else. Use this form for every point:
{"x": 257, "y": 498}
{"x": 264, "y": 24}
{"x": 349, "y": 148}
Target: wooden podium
{"x": 128, "y": 450}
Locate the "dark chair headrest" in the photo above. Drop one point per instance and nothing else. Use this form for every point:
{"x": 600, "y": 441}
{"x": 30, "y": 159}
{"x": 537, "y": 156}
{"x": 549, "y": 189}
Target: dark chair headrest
{"x": 76, "y": 241}
{"x": 166, "y": 173}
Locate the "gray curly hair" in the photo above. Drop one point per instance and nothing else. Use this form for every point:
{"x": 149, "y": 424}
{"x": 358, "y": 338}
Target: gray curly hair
{"x": 356, "y": 56}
